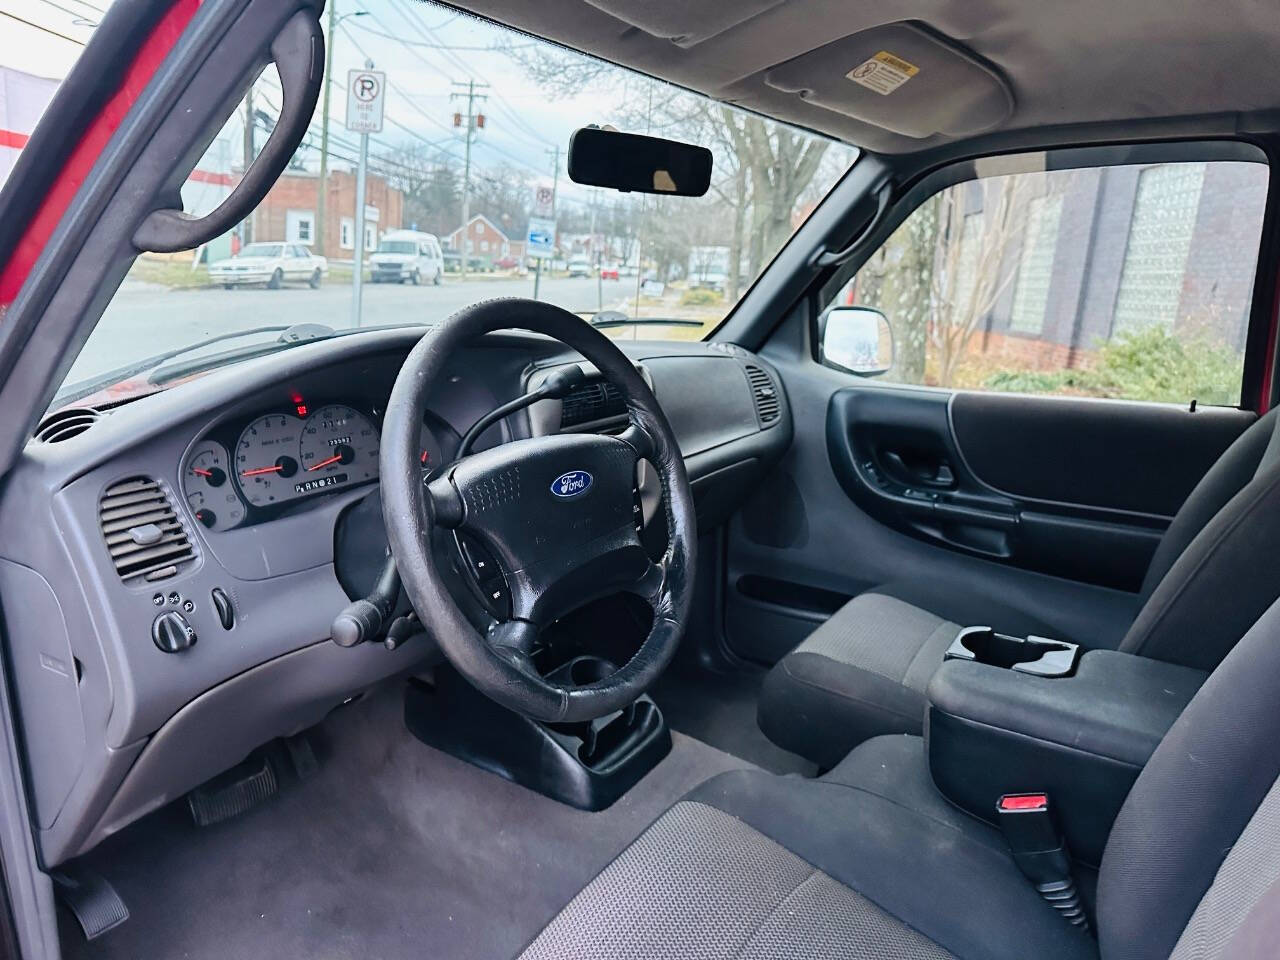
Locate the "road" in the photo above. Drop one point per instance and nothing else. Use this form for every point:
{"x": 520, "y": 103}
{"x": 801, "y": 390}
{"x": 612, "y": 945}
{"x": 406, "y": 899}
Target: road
{"x": 145, "y": 319}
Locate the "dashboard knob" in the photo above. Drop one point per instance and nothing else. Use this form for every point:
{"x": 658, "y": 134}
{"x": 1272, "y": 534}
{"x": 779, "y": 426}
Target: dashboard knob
{"x": 172, "y": 633}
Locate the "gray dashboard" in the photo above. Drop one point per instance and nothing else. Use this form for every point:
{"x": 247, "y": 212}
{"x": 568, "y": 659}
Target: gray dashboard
{"x": 113, "y": 726}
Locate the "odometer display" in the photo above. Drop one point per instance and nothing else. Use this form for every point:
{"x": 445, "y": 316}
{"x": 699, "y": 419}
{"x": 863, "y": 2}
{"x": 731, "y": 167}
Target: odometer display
{"x": 338, "y": 445}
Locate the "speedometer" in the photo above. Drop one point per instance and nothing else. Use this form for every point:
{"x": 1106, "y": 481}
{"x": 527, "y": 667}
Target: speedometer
{"x": 338, "y": 446}
{"x": 266, "y": 459}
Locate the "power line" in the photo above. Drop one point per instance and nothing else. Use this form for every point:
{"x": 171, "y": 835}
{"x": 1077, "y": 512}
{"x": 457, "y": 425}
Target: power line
{"x": 512, "y": 115}
{"x": 80, "y": 21}
{"x": 36, "y": 26}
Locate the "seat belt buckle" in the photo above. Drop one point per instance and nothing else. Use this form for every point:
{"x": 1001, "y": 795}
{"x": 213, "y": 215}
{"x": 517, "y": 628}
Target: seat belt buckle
{"x": 1041, "y": 853}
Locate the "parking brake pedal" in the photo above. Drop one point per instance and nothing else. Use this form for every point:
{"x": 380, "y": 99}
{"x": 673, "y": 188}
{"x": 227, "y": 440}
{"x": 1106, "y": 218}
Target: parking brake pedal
{"x": 230, "y": 794}
{"x": 90, "y": 898}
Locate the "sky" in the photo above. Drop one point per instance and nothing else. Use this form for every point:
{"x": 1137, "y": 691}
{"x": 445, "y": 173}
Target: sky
{"x": 424, "y": 49}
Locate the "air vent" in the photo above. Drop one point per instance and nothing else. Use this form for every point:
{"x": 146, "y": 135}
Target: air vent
{"x": 66, "y": 423}
{"x": 593, "y": 401}
{"x": 765, "y": 394}
{"x": 145, "y": 538}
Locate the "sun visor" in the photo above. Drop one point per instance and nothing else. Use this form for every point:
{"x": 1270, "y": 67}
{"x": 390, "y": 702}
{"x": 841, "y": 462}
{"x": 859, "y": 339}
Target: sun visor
{"x": 902, "y": 78}
{"x": 682, "y": 22}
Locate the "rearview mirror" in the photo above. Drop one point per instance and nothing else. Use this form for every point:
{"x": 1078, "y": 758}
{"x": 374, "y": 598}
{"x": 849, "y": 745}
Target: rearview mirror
{"x": 637, "y": 164}
{"x": 857, "y": 340}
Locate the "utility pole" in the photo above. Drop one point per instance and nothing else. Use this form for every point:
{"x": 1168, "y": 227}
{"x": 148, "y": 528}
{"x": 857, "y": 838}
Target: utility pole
{"x": 473, "y": 122}
{"x": 322, "y": 195}
{"x": 246, "y": 229}
{"x": 554, "y": 154}
{"x": 598, "y": 265}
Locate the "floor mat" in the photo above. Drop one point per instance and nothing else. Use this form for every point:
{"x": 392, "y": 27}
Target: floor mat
{"x": 720, "y": 709}
{"x": 393, "y": 850}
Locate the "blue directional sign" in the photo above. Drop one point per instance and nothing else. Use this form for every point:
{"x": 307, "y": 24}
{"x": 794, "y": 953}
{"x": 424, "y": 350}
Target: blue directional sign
{"x": 541, "y": 239}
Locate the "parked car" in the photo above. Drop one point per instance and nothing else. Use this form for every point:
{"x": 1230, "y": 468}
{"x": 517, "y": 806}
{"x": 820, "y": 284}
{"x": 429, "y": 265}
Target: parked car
{"x": 271, "y": 264}
{"x": 609, "y": 272}
{"x": 579, "y": 266}
{"x": 508, "y": 263}
{"x": 407, "y": 256}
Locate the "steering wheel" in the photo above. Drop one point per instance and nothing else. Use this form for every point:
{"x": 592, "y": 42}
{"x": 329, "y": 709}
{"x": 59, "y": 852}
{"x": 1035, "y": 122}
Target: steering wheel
{"x": 554, "y": 511}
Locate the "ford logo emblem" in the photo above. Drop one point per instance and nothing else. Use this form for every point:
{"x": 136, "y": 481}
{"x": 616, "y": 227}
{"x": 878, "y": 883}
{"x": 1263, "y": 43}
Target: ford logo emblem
{"x": 572, "y": 484}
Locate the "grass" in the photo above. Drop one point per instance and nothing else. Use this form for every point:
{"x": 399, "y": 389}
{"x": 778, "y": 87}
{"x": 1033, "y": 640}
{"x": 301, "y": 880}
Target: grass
{"x": 170, "y": 273}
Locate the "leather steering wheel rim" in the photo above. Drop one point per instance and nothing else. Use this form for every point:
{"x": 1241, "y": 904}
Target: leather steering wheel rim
{"x": 497, "y": 664}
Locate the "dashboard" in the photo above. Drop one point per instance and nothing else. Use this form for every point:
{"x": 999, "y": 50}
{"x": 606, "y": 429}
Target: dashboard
{"x": 247, "y": 471}
{"x": 181, "y": 559}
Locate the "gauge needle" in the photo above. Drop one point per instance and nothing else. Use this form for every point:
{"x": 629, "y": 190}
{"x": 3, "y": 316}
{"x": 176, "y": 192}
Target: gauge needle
{"x": 201, "y": 473}
{"x": 253, "y": 473}
{"x": 324, "y": 463}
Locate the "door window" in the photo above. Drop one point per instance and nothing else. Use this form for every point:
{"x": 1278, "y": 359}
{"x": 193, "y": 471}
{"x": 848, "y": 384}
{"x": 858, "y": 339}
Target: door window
{"x": 1130, "y": 281}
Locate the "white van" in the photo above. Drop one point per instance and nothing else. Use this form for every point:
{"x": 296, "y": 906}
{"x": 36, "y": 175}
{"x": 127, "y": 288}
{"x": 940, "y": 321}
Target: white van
{"x": 407, "y": 255}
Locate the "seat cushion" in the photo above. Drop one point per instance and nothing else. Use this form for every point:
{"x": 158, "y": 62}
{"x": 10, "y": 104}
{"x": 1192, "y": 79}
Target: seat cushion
{"x": 752, "y": 865}
{"x": 864, "y": 672}
{"x": 861, "y": 674}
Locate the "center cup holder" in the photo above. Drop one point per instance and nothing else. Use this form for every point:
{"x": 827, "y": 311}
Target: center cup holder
{"x": 1038, "y": 656}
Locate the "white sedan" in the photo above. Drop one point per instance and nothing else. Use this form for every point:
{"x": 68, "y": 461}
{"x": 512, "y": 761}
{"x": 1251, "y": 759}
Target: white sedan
{"x": 271, "y": 264}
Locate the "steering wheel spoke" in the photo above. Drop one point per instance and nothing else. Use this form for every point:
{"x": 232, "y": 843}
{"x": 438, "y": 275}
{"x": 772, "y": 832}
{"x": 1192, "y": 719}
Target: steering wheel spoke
{"x": 444, "y": 502}
{"x": 639, "y": 436}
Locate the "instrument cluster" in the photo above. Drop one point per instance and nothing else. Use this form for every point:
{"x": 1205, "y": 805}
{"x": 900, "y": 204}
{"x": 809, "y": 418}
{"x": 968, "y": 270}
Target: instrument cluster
{"x": 232, "y": 477}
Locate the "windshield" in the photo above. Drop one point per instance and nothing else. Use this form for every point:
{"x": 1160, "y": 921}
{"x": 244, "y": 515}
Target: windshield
{"x": 261, "y": 250}
{"x": 397, "y": 246}
{"x": 471, "y": 149}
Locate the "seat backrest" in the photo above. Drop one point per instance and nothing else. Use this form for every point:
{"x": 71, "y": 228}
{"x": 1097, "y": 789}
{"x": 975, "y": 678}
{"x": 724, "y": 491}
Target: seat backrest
{"x": 1192, "y": 866}
{"x": 1221, "y": 543}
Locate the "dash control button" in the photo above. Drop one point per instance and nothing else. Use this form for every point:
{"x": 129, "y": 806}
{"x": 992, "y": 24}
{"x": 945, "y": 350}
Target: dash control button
{"x": 222, "y": 604}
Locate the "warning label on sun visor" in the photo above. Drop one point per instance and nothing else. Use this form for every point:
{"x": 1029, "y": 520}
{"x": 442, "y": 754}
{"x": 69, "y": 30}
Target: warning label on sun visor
{"x": 883, "y": 73}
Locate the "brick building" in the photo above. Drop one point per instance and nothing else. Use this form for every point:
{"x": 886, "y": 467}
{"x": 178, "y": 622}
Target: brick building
{"x": 1111, "y": 249}
{"x": 288, "y": 212}
{"x": 487, "y": 241}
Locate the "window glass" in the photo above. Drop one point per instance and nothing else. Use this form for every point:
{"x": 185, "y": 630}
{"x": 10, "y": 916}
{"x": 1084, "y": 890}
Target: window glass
{"x": 1131, "y": 282}
{"x": 476, "y": 125}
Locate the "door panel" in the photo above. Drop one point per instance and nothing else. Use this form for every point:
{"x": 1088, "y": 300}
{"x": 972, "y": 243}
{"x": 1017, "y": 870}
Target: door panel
{"x": 1081, "y": 489}
{"x": 1112, "y": 454}
{"x": 886, "y": 494}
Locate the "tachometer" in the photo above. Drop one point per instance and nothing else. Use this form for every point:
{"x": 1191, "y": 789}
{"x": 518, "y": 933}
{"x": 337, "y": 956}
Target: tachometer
{"x": 338, "y": 446}
{"x": 266, "y": 459}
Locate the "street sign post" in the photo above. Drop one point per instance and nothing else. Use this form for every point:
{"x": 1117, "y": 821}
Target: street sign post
{"x": 366, "y": 95}
{"x": 540, "y": 242}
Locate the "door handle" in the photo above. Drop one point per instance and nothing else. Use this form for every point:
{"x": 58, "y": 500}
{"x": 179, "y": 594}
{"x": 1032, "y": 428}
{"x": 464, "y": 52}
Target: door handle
{"x": 937, "y": 474}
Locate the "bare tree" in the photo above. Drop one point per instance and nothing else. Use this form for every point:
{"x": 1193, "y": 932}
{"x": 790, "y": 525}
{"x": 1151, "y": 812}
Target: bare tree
{"x": 975, "y": 225}
{"x": 768, "y": 166}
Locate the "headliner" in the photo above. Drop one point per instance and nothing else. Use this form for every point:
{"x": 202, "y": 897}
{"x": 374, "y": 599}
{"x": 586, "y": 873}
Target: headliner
{"x": 986, "y": 66}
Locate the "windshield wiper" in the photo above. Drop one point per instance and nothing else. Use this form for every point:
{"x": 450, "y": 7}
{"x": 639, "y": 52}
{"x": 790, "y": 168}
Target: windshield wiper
{"x": 292, "y": 336}
{"x": 304, "y": 332}
{"x": 614, "y": 318}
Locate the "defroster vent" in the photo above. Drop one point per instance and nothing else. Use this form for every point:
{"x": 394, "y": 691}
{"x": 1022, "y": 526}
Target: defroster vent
{"x": 765, "y": 393}
{"x": 593, "y": 401}
{"x": 146, "y": 539}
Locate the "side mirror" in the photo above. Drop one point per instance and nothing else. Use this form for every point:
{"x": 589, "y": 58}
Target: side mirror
{"x": 857, "y": 340}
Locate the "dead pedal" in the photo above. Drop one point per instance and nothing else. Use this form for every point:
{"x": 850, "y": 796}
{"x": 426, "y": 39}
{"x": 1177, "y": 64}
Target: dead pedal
{"x": 237, "y": 791}
{"x": 90, "y": 898}
{"x": 302, "y": 755}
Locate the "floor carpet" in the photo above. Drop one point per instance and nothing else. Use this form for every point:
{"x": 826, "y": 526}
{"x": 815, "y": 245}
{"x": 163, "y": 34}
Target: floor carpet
{"x": 393, "y": 850}
{"x": 720, "y": 709}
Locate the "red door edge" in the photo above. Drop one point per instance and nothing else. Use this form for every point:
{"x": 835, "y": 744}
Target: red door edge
{"x": 92, "y": 142}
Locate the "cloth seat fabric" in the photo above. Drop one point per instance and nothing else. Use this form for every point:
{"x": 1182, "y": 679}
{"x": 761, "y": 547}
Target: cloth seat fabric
{"x": 863, "y": 673}
{"x": 866, "y": 862}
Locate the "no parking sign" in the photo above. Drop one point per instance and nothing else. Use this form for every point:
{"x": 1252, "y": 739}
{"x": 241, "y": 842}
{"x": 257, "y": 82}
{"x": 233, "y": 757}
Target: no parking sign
{"x": 366, "y": 93}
